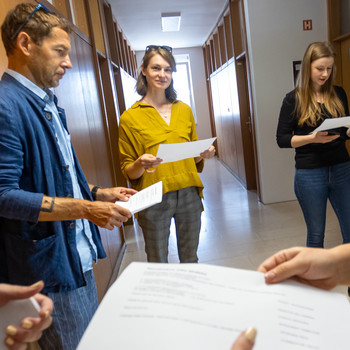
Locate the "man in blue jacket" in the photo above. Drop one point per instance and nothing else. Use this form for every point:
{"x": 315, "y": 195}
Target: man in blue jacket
{"x": 48, "y": 211}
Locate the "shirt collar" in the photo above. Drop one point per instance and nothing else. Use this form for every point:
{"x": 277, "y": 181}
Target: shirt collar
{"x": 44, "y": 95}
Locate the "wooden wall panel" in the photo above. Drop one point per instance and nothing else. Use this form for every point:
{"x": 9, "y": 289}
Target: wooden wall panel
{"x": 345, "y": 63}
{"x": 228, "y": 36}
{"x": 236, "y": 27}
{"x": 212, "y": 56}
{"x": 97, "y": 26}
{"x": 79, "y": 13}
{"x": 111, "y": 34}
{"x": 61, "y": 6}
{"x": 222, "y": 44}
{"x": 217, "y": 56}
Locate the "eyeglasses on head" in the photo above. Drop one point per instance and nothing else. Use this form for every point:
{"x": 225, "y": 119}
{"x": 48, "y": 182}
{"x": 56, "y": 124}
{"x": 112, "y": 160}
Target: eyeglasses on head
{"x": 156, "y": 47}
{"x": 38, "y": 7}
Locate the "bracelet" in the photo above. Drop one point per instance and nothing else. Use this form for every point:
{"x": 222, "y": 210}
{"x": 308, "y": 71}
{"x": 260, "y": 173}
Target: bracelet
{"x": 94, "y": 192}
{"x": 49, "y": 210}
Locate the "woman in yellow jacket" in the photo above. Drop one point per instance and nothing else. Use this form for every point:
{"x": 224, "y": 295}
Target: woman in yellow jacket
{"x": 160, "y": 118}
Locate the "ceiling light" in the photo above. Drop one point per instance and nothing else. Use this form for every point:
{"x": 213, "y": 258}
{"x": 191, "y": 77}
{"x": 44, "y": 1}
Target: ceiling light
{"x": 171, "y": 21}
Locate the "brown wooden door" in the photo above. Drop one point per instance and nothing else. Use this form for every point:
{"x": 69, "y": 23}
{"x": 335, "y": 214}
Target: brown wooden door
{"x": 345, "y": 64}
{"x": 246, "y": 124}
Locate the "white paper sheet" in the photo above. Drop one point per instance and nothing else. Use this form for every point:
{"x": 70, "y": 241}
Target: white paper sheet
{"x": 172, "y": 152}
{"x": 14, "y": 312}
{"x": 149, "y": 196}
{"x": 333, "y": 123}
{"x": 197, "y": 306}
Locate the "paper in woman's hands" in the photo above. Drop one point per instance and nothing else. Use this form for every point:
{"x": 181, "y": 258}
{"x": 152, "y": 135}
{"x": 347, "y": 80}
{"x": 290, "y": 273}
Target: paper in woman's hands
{"x": 333, "y": 123}
{"x": 198, "y": 306}
{"x": 172, "y": 152}
{"x": 149, "y": 196}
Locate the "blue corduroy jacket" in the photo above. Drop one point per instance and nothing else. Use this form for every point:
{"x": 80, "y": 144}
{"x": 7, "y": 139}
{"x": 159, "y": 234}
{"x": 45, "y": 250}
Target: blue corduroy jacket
{"x": 31, "y": 166}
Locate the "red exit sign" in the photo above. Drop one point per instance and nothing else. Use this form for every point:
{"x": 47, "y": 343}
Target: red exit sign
{"x": 307, "y": 24}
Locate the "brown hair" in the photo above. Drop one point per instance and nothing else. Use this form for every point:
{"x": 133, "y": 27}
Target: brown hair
{"x": 141, "y": 85}
{"x": 37, "y": 27}
{"x": 307, "y": 109}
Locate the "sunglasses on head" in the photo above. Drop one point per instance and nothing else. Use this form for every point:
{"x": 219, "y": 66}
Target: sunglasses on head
{"x": 39, "y": 6}
{"x": 156, "y": 47}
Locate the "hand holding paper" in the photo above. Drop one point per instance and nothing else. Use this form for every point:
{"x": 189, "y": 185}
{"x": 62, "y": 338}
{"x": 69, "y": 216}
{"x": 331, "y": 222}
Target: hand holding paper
{"x": 172, "y": 152}
{"x": 144, "y": 199}
{"x": 333, "y": 123}
{"x": 197, "y": 306}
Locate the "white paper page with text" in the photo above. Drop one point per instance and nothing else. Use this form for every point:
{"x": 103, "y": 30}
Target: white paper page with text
{"x": 149, "y": 196}
{"x": 172, "y": 152}
{"x": 333, "y": 123}
{"x": 197, "y": 306}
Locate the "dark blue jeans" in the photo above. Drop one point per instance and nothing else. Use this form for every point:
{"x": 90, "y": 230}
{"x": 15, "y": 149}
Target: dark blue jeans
{"x": 313, "y": 187}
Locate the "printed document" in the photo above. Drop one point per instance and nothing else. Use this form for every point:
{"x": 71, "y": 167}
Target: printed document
{"x": 197, "y": 306}
{"x": 333, "y": 123}
{"x": 149, "y": 196}
{"x": 172, "y": 152}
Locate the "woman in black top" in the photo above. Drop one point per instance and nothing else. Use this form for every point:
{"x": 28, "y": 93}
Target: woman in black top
{"x": 321, "y": 159}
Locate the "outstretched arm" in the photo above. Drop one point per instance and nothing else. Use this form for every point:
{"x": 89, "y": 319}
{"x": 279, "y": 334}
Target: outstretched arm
{"x": 322, "y": 268}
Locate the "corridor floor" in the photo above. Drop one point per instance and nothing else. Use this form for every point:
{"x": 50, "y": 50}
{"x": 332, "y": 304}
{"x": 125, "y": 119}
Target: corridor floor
{"x": 238, "y": 230}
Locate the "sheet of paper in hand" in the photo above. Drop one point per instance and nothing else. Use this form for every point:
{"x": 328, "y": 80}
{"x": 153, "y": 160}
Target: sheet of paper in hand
{"x": 197, "y": 306}
{"x": 333, "y": 123}
{"x": 172, "y": 152}
{"x": 149, "y": 196}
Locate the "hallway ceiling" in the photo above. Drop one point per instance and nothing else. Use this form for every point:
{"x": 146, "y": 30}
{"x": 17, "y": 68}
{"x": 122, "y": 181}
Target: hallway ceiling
{"x": 140, "y": 21}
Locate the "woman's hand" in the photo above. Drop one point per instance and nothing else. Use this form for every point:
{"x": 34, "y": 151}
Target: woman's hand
{"x": 31, "y": 327}
{"x": 146, "y": 162}
{"x": 317, "y": 137}
{"x": 209, "y": 153}
{"x": 149, "y": 162}
{"x": 322, "y": 268}
{"x": 245, "y": 340}
{"x": 324, "y": 137}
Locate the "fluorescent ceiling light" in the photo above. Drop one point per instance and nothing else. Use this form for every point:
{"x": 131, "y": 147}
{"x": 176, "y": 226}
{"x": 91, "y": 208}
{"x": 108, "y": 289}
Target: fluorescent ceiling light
{"x": 171, "y": 21}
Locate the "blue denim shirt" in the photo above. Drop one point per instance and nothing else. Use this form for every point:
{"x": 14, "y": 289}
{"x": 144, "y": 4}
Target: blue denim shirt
{"x": 32, "y": 165}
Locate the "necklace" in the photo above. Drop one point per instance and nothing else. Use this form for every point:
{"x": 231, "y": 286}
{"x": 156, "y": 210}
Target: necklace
{"x": 163, "y": 115}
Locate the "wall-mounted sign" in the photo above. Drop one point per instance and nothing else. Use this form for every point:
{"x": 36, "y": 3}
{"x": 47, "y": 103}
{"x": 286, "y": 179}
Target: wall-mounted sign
{"x": 307, "y": 24}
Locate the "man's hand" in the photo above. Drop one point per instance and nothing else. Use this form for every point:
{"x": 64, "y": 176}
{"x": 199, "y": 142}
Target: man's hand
{"x": 106, "y": 214}
{"x": 114, "y": 194}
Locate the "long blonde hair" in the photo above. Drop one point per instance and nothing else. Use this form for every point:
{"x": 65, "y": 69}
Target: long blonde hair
{"x": 307, "y": 108}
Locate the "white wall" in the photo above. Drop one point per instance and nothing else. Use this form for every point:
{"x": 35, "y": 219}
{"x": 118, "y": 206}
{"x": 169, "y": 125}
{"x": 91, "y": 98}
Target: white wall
{"x": 199, "y": 87}
{"x": 275, "y": 39}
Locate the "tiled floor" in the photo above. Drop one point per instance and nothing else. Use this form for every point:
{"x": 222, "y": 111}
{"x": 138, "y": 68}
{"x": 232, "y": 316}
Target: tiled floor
{"x": 237, "y": 230}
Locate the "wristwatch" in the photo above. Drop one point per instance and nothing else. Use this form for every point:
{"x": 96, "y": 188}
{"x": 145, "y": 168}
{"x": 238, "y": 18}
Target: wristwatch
{"x": 94, "y": 192}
